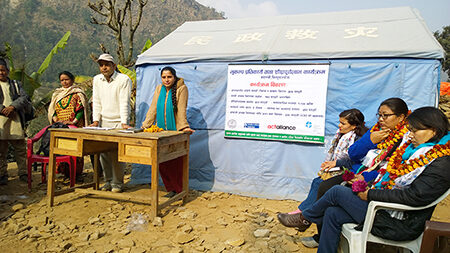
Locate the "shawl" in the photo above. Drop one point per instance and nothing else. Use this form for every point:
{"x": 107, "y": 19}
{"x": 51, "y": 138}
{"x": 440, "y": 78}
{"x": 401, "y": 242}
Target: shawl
{"x": 164, "y": 111}
{"x": 61, "y": 93}
{"x": 340, "y": 145}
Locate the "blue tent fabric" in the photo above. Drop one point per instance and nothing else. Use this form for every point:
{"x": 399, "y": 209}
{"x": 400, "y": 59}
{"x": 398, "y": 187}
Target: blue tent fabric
{"x": 274, "y": 169}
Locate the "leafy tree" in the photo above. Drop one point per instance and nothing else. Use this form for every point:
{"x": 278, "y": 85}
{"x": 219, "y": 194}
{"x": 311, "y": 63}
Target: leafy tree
{"x": 444, "y": 38}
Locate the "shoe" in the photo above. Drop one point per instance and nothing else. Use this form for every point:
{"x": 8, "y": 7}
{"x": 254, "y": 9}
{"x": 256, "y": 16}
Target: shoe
{"x": 4, "y": 180}
{"x": 106, "y": 187}
{"x": 294, "y": 220}
{"x": 23, "y": 178}
{"x": 309, "y": 242}
{"x": 170, "y": 194}
{"x": 116, "y": 189}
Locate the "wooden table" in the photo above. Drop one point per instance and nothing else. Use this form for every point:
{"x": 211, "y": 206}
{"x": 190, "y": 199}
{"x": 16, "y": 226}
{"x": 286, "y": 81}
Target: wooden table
{"x": 144, "y": 148}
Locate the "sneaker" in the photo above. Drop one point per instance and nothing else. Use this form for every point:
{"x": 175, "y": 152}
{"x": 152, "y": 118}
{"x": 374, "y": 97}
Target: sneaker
{"x": 106, "y": 187}
{"x": 116, "y": 189}
{"x": 309, "y": 242}
{"x": 4, "y": 180}
{"x": 23, "y": 178}
{"x": 294, "y": 220}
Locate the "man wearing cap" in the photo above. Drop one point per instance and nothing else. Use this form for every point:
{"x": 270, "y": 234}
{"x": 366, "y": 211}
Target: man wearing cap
{"x": 111, "y": 108}
{"x": 13, "y": 101}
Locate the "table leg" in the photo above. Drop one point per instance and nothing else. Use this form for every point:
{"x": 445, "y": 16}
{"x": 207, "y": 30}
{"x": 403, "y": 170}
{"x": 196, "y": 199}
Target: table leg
{"x": 96, "y": 176}
{"x": 154, "y": 186}
{"x": 185, "y": 177}
{"x": 51, "y": 172}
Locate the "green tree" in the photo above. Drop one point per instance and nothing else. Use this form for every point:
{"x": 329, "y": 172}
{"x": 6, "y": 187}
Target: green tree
{"x": 444, "y": 38}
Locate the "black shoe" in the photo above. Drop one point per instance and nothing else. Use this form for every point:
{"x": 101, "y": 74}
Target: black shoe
{"x": 170, "y": 194}
{"x": 294, "y": 220}
{"x": 4, "y": 180}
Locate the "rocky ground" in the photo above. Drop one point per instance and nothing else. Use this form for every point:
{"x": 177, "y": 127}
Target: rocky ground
{"x": 209, "y": 222}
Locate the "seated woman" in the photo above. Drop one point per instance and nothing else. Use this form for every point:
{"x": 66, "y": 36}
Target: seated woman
{"x": 351, "y": 128}
{"x": 416, "y": 174}
{"x": 377, "y": 144}
{"x": 168, "y": 108}
{"x": 68, "y": 106}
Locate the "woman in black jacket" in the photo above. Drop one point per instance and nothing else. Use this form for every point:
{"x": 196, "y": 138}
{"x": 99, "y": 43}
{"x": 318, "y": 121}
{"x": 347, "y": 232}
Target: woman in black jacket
{"x": 416, "y": 175}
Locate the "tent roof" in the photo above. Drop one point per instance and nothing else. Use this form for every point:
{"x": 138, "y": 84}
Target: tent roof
{"x": 389, "y": 32}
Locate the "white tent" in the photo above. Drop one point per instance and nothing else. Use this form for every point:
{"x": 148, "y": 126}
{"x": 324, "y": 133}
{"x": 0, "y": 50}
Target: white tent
{"x": 373, "y": 55}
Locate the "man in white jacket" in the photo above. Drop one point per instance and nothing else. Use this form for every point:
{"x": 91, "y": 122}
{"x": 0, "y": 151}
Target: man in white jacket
{"x": 111, "y": 108}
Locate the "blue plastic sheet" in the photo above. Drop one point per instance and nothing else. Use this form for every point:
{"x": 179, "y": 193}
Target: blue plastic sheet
{"x": 274, "y": 169}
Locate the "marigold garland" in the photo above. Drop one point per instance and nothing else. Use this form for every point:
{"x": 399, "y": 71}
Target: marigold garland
{"x": 397, "y": 168}
{"x": 393, "y": 137}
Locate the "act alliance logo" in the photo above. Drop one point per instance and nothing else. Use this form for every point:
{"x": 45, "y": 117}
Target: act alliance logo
{"x": 281, "y": 127}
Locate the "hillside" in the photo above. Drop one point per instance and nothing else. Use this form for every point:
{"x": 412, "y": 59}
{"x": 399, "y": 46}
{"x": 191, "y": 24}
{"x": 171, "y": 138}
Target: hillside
{"x": 32, "y": 27}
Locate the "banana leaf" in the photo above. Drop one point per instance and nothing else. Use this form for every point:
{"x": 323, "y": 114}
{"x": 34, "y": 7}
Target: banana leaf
{"x": 130, "y": 73}
{"x": 147, "y": 45}
{"x": 60, "y": 45}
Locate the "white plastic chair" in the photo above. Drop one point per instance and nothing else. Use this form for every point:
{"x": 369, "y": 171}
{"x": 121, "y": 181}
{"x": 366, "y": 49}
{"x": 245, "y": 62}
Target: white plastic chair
{"x": 357, "y": 240}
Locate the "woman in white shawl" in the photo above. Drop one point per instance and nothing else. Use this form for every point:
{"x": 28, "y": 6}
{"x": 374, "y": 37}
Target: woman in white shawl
{"x": 68, "y": 104}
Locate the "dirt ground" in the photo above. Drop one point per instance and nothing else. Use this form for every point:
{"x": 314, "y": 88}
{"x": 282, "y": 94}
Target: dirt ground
{"x": 209, "y": 222}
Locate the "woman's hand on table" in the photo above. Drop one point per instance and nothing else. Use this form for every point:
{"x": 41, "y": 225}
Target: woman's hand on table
{"x": 188, "y": 130}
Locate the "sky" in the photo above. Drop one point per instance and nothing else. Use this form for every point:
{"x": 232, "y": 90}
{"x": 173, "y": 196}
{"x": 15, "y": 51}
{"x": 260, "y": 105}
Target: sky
{"x": 435, "y": 12}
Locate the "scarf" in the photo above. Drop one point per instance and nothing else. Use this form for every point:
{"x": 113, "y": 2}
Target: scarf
{"x": 340, "y": 145}
{"x": 411, "y": 153}
{"x": 61, "y": 93}
{"x": 165, "y": 117}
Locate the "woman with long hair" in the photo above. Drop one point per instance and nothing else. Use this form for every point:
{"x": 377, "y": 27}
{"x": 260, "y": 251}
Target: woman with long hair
{"x": 168, "y": 110}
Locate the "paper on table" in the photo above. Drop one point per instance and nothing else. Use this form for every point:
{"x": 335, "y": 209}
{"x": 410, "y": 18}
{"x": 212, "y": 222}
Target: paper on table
{"x": 131, "y": 130}
{"x": 97, "y": 128}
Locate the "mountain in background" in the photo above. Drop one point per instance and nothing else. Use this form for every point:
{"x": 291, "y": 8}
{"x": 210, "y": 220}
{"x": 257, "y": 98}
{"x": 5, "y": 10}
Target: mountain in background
{"x": 33, "y": 27}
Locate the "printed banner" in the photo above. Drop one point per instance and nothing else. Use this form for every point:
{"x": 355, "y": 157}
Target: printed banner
{"x": 277, "y": 102}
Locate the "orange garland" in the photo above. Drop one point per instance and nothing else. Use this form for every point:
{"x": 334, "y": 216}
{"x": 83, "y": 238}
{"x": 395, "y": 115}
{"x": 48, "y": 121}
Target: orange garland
{"x": 397, "y": 168}
{"x": 393, "y": 137}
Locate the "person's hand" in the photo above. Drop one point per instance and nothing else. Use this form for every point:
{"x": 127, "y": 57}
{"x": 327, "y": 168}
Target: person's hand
{"x": 363, "y": 195}
{"x": 94, "y": 124}
{"x": 378, "y": 136}
{"x": 67, "y": 122}
{"x": 326, "y": 166}
{"x": 188, "y": 130}
{"x": 9, "y": 111}
{"x": 356, "y": 178}
{"x": 126, "y": 126}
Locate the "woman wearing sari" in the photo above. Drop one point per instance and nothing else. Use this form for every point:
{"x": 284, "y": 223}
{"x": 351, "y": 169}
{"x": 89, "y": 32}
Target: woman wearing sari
{"x": 69, "y": 106}
{"x": 416, "y": 174}
{"x": 168, "y": 109}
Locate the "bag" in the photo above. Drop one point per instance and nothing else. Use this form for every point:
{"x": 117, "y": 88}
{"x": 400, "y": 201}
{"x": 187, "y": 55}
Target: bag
{"x": 28, "y": 108}
{"x": 327, "y": 175}
{"x": 45, "y": 140}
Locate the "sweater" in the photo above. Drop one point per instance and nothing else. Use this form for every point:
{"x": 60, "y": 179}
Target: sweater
{"x": 180, "y": 115}
{"x": 111, "y": 100}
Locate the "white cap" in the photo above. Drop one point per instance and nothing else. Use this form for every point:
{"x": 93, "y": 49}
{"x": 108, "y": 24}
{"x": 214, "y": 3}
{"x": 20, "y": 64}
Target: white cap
{"x": 106, "y": 57}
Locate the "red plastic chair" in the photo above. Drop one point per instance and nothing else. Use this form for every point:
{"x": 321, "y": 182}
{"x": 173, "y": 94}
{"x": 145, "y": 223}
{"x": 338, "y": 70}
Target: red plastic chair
{"x": 35, "y": 158}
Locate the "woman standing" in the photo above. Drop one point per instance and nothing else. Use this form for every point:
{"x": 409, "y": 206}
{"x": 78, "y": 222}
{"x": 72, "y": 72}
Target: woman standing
{"x": 168, "y": 109}
{"x": 68, "y": 104}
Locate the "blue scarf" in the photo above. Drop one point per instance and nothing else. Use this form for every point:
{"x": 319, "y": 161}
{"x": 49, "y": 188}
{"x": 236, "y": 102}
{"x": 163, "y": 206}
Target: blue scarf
{"x": 169, "y": 121}
{"x": 409, "y": 151}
